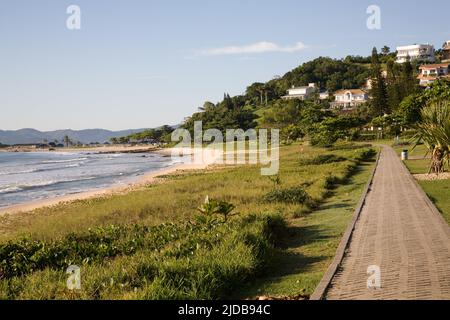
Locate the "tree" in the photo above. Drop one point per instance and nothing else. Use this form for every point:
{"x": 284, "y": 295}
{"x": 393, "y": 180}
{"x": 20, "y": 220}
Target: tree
{"x": 378, "y": 93}
{"x": 114, "y": 140}
{"x": 434, "y": 131}
{"x": 254, "y": 93}
{"x": 385, "y": 50}
{"x": 331, "y": 129}
{"x": 124, "y": 140}
{"x": 328, "y": 73}
{"x": 291, "y": 133}
{"x": 281, "y": 114}
{"x": 228, "y": 114}
{"x": 67, "y": 141}
{"x": 411, "y": 107}
{"x": 408, "y": 80}
{"x": 207, "y": 106}
{"x": 394, "y": 92}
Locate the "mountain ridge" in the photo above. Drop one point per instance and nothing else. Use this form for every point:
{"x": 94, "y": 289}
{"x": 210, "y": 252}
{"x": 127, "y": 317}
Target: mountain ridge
{"x": 32, "y": 136}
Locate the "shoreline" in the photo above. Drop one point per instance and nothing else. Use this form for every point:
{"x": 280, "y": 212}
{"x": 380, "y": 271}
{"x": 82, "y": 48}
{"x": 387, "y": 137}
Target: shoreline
{"x": 103, "y": 149}
{"x": 146, "y": 179}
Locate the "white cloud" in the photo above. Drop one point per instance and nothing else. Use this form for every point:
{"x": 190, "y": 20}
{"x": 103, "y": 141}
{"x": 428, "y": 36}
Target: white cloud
{"x": 254, "y": 48}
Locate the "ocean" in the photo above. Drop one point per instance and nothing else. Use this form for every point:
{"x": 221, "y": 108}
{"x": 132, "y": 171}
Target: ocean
{"x": 29, "y": 176}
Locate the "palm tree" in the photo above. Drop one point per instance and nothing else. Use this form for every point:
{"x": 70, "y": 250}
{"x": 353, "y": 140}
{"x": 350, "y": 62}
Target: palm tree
{"x": 67, "y": 141}
{"x": 434, "y": 131}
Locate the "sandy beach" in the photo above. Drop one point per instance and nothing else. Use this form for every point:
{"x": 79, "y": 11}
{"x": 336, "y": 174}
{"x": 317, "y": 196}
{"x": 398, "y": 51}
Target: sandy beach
{"x": 146, "y": 179}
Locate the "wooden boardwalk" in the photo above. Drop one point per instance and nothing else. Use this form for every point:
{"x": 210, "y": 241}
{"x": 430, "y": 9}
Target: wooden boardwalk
{"x": 401, "y": 231}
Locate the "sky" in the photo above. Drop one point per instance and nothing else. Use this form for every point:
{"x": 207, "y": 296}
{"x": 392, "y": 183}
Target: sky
{"x": 141, "y": 64}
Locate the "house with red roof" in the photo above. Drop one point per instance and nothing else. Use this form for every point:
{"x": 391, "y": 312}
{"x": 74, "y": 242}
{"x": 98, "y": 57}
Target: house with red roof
{"x": 429, "y": 73}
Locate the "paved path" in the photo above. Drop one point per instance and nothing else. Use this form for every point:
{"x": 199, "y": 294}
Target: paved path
{"x": 400, "y": 231}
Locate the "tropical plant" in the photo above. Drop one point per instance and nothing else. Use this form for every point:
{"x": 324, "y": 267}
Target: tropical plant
{"x": 212, "y": 207}
{"x": 225, "y": 209}
{"x": 67, "y": 141}
{"x": 434, "y": 131}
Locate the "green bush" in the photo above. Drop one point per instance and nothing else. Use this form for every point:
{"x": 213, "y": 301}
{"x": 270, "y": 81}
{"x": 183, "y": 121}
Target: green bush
{"x": 322, "y": 159}
{"x": 365, "y": 154}
{"x": 170, "y": 261}
{"x": 348, "y": 146}
{"x": 26, "y": 256}
{"x": 295, "y": 195}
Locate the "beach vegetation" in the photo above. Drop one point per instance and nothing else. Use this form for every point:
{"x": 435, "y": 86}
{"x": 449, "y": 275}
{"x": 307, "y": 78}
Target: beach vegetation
{"x": 154, "y": 243}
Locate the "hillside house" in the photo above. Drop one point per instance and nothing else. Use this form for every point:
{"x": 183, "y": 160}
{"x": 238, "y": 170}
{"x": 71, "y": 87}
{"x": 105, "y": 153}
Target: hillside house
{"x": 301, "y": 93}
{"x": 431, "y": 72}
{"x": 349, "y": 99}
{"x": 419, "y": 52}
{"x": 446, "y": 52}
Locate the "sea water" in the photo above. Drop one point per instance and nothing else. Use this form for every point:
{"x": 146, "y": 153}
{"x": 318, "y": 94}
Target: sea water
{"x": 29, "y": 176}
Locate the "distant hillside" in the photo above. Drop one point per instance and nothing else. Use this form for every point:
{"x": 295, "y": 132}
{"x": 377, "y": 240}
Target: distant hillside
{"x": 25, "y": 136}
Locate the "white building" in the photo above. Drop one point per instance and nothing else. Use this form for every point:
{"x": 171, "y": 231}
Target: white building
{"x": 420, "y": 52}
{"x": 349, "y": 99}
{"x": 429, "y": 73}
{"x": 446, "y": 51}
{"x": 301, "y": 93}
{"x": 324, "y": 95}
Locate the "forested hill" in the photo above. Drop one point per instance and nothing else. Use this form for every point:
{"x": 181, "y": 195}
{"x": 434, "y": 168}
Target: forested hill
{"x": 243, "y": 110}
{"x": 329, "y": 74}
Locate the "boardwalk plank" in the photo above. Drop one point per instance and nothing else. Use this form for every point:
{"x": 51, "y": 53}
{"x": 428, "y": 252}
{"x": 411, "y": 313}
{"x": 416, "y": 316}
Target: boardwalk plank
{"x": 400, "y": 231}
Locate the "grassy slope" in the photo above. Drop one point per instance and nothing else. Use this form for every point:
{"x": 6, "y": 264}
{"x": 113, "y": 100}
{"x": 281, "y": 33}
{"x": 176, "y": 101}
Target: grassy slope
{"x": 178, "y": 198}
{"x": 438, "y": 191}
{"x": 309, "y": 246}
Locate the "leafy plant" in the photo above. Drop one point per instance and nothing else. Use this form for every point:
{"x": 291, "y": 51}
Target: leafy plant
{"x": 212, "y": 207}
{"x": 434, "y": 131}
{"x": 276, "y": 180}
{"x": 174, "y": 261}
{"x": 295, "y": 195}
{"x": 225, "y": 209}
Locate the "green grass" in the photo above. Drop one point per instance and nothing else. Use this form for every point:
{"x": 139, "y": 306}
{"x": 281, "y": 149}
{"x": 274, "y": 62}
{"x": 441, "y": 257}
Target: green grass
{"x": 439, "y": 193}
{"x": 191, "y": 261}
{"x": 310, "y": 244}
{"x": 439, "y": 190}
{"x": 150, "y": 244}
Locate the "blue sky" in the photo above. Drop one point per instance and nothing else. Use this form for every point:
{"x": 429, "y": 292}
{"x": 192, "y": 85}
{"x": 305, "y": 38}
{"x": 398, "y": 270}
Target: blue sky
{"x": 138, "y": 64}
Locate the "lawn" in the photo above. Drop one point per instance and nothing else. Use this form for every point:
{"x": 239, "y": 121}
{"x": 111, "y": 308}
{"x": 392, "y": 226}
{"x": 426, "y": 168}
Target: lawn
{"x": 153, "y": 244}
{"x": 437, "y": 191}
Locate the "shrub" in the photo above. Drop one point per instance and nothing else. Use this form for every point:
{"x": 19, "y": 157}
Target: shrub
{"x": 365, "y": 154}
{"x": 295, "y": 195}
{"x": 348, "y": 146}
{"x": 188, "y": 261}
{"x": 322, "y": 159}
{"x": 210, "y": 208}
